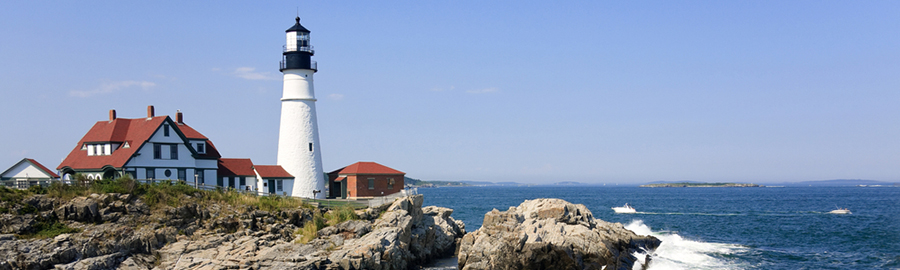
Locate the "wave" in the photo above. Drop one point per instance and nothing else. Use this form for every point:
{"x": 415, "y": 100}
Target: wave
{"x": 676, "y": 252}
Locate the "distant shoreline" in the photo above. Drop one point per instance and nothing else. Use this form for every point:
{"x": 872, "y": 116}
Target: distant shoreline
{"x": 701, "y": 185}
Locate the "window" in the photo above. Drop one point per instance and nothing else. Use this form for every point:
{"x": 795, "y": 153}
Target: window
{"x": 201, "y": 148}
{"x": 167, "y": 173}
{"x": 173, "y": 151}
{"x": 279, "y": 185}
{"x": 199, "y": 176}
{"x": 166, "y": 130}
{"x": 151, "y": 173}
{"x": 106, "y": 149}
{"x": 157, "y": 151}
{"x": 371, "y": 183}
{"x": 242, "y": 182}
{"x": 390, "y": 183}
{"x": 182, "y": 174}
{"x": 310, "y": 147}
{"x": 90, "y": 149}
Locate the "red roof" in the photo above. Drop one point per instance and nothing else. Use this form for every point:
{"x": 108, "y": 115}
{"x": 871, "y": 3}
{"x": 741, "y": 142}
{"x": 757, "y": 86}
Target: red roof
{"x": 235, "y": 167}
{"x": 41, "y": 166}
{"x": 272, "y": 171}
{"x": 190, "y": 132}
{"x": 368, "y": 168}
{"x": 123, "y": 130}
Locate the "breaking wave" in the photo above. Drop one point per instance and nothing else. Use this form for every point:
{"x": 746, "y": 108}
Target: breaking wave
{"x": 676, "y": 252}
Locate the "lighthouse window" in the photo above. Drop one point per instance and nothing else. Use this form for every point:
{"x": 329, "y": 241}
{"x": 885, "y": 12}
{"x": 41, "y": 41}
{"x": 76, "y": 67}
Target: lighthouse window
{"x": 310, "y": 147}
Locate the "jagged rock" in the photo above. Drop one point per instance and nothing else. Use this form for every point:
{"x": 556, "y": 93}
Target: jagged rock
{"x": 16, "y": 224}
{"x": 550, "y": 234}
{"x": 403, "y": 237}
{"x": 349, "y": 229}
{"x": 95, "y": 263}
{"x": 137, "y": 262}
{"x": 41, "y": 202}
{"x": 83, "y": 209}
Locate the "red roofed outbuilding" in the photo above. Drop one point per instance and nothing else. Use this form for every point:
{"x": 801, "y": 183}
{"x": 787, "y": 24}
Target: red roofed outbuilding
{"x": 364, "y": 180}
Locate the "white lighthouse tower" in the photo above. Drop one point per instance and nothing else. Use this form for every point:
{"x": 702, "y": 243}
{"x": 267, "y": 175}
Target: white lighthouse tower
{"x": 299, "y": 152}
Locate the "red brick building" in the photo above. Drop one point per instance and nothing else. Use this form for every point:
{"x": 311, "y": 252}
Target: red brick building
{"x": 364, "y": 180}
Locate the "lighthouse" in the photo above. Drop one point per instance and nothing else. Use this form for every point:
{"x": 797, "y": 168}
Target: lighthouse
{"x": 299, "y": 152}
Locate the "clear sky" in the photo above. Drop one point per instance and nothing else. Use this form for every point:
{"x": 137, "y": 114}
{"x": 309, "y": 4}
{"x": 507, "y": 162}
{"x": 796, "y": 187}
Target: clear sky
{"x": 526, "y": 91}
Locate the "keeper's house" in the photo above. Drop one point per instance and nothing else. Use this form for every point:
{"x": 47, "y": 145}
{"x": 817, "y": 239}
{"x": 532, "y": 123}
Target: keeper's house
{"x": 155, "y": 147}
{"x": 25, "y": 173}
{"x": 364, "y": 180}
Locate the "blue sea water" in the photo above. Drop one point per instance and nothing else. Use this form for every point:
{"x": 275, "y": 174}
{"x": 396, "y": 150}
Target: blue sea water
{"x": 725, "y": 228}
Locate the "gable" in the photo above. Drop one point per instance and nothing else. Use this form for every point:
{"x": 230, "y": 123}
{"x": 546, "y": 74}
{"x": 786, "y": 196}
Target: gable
{"x": 28, "y": 168}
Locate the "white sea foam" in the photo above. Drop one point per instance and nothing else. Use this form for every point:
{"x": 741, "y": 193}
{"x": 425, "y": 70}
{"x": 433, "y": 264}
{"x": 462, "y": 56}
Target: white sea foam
{"x": 676, "y": 252}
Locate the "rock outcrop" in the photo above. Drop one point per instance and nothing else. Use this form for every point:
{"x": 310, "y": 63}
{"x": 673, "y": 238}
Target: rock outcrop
{"x": 405, "y": 236}
{"x": 119, "y": 231}
{"x": 550, "y": 234}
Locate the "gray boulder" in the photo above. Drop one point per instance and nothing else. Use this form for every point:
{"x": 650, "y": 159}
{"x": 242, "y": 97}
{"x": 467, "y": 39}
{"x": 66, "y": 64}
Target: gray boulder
{"x": 550, "y": 234}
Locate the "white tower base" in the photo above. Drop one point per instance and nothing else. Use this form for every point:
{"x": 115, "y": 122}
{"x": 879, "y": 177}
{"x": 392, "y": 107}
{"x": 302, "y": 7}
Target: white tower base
{"x": 299, "y": 152}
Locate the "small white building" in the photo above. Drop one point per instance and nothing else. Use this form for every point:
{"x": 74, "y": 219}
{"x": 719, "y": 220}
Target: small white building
{"x": 242, "y": 174}
{"x": 27, "y": 172}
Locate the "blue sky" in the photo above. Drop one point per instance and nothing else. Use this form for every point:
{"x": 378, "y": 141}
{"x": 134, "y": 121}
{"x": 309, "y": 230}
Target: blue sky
{"x": 526, "y": 91}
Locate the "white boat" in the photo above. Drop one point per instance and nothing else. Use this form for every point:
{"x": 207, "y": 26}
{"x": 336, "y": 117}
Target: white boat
{"x": 840, "y": 211}
{"x": 624, "y": 209}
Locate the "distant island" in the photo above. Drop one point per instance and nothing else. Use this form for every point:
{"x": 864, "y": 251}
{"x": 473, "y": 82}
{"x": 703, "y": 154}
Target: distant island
{"x": 696, "y": 184}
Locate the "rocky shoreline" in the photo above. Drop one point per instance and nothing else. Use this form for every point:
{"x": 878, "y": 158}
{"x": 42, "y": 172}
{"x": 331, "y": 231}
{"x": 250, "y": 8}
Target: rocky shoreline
{"x": 120, "y": 231}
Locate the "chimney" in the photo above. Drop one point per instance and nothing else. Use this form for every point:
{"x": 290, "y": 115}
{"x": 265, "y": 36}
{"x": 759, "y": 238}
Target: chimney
{"x": 112, "y": 115}
{"x": 179, "y": 118}
{"x": 150, "y": 112}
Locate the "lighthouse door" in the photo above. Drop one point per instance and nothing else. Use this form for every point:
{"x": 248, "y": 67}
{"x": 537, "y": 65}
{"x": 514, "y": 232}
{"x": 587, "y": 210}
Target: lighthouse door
{"x": 271, "y": 186}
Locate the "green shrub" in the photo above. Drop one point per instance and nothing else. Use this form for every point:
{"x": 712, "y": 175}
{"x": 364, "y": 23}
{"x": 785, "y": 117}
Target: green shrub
{"x": 37, "y": 189}
{"x": 66, "y": 192}
{"x": 49, "y": 229}
{"x": 124, "y": 184}
{"x": 310, "y": 230}
{"x": 11, "y": 195}
{"x": 341, "y": 214}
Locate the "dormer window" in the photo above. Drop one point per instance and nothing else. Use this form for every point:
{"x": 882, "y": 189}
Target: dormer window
{"x": 98, "y": 149}
{"x": 201, "y": 148}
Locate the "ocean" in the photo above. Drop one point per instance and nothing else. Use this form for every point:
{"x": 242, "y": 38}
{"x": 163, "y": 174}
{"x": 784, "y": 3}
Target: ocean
{"x": 724, "y": 228}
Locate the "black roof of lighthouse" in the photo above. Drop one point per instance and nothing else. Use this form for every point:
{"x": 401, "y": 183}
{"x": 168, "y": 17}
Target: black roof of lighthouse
{"x": 297, "y": 27}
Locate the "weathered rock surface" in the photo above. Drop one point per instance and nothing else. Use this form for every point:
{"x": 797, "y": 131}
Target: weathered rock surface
{"x": 550, "y": 234}
{"x": 404, "y": 237}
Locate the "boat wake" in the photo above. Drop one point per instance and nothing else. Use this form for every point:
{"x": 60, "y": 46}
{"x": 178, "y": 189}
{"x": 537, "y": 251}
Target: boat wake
{"x": 676, "y": 252}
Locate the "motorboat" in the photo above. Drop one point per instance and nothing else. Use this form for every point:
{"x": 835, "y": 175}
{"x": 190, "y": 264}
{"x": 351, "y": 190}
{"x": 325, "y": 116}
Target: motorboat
{"x": 840, "y": 211}
{"x": 624, "y": 209}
